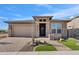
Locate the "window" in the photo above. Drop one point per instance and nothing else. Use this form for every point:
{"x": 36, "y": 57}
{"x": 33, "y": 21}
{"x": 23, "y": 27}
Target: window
{"x": 53, "y": 31}
{"x": 56, "y": 28}
{"x": 40, "y": 20}
{"x": 44, "y": 20}
{"x": 76, "y": 31}
{"x": 50, "y": 18}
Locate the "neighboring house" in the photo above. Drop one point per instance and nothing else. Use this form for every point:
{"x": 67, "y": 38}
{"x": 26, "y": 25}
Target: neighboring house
{"x": 40, "y": 26}
{"x": 73, "y": 27}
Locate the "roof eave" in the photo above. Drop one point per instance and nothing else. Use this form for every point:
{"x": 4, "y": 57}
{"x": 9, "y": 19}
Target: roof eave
{"x": 34, "y": 17}
{"x": 61, "y": 20}
{"x": 16, "y": 22}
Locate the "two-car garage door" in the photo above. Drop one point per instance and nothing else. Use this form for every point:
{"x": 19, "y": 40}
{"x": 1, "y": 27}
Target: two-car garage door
{"x": 22, "y": 30}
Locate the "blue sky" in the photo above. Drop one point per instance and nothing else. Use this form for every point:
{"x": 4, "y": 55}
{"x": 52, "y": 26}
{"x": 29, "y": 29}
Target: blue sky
{"x": 26, "y": 11}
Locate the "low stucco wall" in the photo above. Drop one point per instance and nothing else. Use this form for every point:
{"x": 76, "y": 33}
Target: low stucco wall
{"x": 73, "y": 33}
{"x": 55, "y": 36}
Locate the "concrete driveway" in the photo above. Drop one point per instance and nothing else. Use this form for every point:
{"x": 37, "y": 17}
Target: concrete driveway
{"x": 13, "y": 44}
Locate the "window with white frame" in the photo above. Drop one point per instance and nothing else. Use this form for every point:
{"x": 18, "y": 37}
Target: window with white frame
{"x": 56, "y": 28}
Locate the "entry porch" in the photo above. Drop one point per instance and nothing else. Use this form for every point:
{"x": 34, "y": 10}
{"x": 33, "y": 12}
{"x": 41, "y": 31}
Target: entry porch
{"x": 58, "y": 29}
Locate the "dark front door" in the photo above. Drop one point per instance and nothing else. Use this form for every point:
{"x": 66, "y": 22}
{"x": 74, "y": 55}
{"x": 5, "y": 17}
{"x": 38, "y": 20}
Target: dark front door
{"x": 42, "y": 29}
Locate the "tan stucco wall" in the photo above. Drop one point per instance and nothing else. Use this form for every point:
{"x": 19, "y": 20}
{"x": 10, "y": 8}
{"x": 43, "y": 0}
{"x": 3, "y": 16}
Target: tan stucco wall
{"x": 29, "y": 30}
{"x": 37, "y": 22}
{"x": 74, "y": 23}
{"x": 37, "y": 28}
{"x": 64, "y": 31}
{"x": 73, "y": 27}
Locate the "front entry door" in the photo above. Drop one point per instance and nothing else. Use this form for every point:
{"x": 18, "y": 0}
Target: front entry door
{"x": 42, "y": 30}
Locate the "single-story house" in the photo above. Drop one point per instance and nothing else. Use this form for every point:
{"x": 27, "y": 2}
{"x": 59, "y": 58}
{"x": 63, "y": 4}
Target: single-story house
{"x": 40, "y": 26}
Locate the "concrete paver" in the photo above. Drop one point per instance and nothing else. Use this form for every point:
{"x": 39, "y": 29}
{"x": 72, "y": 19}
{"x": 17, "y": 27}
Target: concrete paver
{"x": 59, "y": 46}
{"x": 20, "y": 44}
{"x": 13, "y": 44}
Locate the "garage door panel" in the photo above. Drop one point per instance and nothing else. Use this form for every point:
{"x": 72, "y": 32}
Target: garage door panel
{"x": 22, "y": 30}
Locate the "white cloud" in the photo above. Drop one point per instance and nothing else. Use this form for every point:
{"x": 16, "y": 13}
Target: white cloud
{"x": 36, "y": 9}
{"x": 9, "y": 9}
{"x": 64, "y": 12}
{"x": 3, "y": 18}
{"x": 71, "y": 17}
{"x": 26, "y": 18}
{"x": 49, "y": 7}
{"x": 45, "y": 5}
{"x": 18, "y": 15}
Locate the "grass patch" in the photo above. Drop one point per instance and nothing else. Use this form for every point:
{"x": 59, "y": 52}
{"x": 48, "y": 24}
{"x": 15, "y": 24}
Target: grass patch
{"x": 71, "y": 43}
{"x": 46, "y": 47}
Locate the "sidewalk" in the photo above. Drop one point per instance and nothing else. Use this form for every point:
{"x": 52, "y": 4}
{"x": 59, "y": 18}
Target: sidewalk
{"x": 59, "y": 46}
{"x": 56, "y": 44}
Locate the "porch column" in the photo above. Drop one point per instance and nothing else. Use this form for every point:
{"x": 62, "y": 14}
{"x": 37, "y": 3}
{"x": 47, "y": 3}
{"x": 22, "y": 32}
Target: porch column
{"x": 49, "y": 35}
{"x": 10, "y": 30}
{"x": 37, "y": 29}
{"x": 47, "y": 29}
{"x": 33, "y": 30}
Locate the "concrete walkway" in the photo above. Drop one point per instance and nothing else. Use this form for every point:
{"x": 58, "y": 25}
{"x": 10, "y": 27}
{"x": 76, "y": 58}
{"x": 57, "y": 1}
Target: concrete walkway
{"x": 59, "y": 46}
{"x": 56, "y": 44}
{"x": 26, "y": 48}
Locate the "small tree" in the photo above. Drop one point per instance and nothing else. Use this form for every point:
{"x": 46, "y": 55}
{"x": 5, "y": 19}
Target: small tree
{"x": 3, "y": 31}
{"x": 33, "y": 39}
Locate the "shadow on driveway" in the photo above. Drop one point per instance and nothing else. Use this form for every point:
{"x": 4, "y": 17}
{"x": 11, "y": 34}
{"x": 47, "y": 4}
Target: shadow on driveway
{"x": 4, "y": 43}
